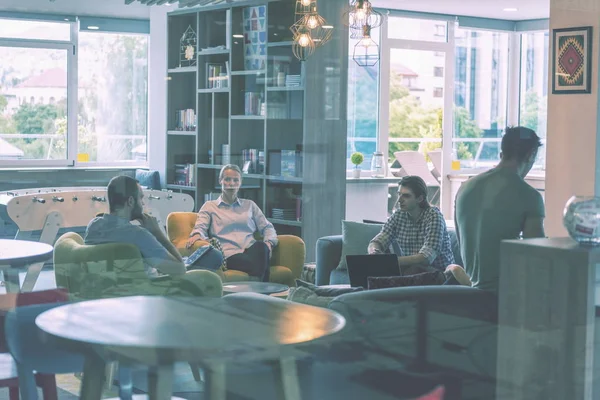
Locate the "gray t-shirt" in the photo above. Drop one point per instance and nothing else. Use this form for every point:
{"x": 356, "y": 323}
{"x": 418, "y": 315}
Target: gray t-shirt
{"x": 492, "y": 207}
{"x": 112, "y": 229}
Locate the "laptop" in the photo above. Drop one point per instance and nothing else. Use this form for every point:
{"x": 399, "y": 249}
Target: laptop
{"x": 362, "y": 266}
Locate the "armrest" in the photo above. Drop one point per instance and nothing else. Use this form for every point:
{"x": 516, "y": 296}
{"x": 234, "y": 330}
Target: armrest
{"x": 329, "y": 253}
{"x": 290, "y": 252}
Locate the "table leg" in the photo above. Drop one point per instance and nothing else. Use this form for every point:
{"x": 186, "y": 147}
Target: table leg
{"x": 11, "y": 280}
{"x": 287, "y": 381}
{"x": 93, "y": 378}
{"x": 160, "y": 382}
{"x": 214, "y": 382}
{"x": 31, "y": 277}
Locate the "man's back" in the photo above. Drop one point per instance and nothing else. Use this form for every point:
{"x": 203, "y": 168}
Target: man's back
{"x": 492, "y": 207}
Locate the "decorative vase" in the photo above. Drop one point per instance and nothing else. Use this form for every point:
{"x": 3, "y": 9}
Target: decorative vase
{"x": 356, "y": 172}
{"x": 581, "y": 217}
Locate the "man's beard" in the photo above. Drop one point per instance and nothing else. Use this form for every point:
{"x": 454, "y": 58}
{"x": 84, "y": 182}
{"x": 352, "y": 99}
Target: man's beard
{"x": 137, "y": 212}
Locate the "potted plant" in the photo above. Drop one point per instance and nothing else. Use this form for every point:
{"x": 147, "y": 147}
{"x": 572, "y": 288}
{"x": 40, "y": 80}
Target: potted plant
{"x": 356, "y": 158}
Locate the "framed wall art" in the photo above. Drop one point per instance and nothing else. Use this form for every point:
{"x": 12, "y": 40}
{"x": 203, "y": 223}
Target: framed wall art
{"x": 572, "y": 60}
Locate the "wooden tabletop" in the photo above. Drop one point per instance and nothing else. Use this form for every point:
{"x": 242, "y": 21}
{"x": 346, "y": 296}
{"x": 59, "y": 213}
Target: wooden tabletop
{"x": 155, "y": 330}
{"x": 23, "y": 252}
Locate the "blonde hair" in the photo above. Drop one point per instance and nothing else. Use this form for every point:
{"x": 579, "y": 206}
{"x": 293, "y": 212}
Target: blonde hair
{"x": 231, "y": 167}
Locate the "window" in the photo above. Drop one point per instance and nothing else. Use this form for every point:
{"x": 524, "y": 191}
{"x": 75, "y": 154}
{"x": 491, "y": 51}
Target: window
{"x": 534, "y": 87}
{"x": 438, "y": 92}
{"x": 417, "y": 29}
{"x": 363, "y": 106}
{"x": 113, "y": 81}
{"x": 35, "y": 84}
{"x": 438, "y": 72}
{"x": 30, "y": 71}
{"x": 480, "y": 96}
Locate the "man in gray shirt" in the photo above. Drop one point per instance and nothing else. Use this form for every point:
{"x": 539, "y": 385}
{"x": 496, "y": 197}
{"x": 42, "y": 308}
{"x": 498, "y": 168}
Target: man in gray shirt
{"x": 498, "y": 205}
{"x": 126, "y": 203}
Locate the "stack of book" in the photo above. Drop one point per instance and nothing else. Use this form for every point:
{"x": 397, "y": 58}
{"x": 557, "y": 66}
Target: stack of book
{"x": 253, "y": 103}
{"x": 216, "y": 75}
{"x": 288, "y": 214}
{"x": 184, "y": 174}
{"x": 250, "y": 161}
{"x": 293, "y": 80}
{"x": 185, "y": 120}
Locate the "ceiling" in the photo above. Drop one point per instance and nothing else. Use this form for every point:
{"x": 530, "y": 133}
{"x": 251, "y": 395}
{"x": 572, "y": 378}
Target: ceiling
{"x": 526, "y": 9}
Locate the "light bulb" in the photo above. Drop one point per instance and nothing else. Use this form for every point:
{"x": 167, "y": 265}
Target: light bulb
{"x": 360, "y": 13}
{"x": 312, "y": 22}
{"x": 303, "y": 39}
{"x": 305, "y": 3}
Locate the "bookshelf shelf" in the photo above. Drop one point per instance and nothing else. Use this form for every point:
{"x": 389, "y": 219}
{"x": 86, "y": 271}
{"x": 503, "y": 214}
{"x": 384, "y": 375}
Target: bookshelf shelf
{"x": 259, "y": 117}
{"x": 181, "y": 187}
{"x": 280, "y": 44}
{"x": 251, "y": 72}
{"x": 212, "y": 52}
{"x": 182, "y": 70}
{"x": 182, "y": 133}
{"x": 209, "y": 166}
{"x": 285, "y": 89}
{"x": 284, "y": 178}
{"x": 285, "y": 222}
{"x": 221, "y": 90}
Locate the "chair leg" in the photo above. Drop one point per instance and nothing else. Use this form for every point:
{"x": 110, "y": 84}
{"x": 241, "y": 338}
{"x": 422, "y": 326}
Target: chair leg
{"x": 48, "y": 384}
{"x": 197, "y": 372}
{"x": 13, "y": 393}
{"x": 125, "y": 383}
{"x": 27, "y": 385}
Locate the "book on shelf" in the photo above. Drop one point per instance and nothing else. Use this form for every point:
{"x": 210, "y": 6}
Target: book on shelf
{"x": 185, "y": 120}
{"x": 288, "y": 163}
{"x": 184, "y": 174}
{"x": 253, "y": 103}
{"x": 251, "y": 156}
{"x": 217, "y": 75}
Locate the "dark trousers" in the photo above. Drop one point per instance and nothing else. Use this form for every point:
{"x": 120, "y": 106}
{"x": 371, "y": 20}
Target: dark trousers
{"x": 254, "y": 261}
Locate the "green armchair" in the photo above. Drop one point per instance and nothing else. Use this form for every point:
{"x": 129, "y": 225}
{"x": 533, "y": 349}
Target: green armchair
{"x": 287, "y": 259}
{"x": 117, "y": 269}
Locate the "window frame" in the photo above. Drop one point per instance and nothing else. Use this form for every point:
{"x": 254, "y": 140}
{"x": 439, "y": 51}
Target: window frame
{"x": 107, "y": 25}
{"x": 513, "y": 28}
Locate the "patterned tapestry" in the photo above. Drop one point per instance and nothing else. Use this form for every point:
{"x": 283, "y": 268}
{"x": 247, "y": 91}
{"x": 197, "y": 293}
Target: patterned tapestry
{"x": 572, "y": 60}
{"x": 255, "y": 38}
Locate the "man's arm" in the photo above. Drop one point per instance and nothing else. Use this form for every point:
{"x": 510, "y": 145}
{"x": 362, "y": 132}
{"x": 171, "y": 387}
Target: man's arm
{"x": 533, "y": 228}
{"x": 432, "y": 245}
{"x": 417, "y": 259}
{"x": 383, "y": 239}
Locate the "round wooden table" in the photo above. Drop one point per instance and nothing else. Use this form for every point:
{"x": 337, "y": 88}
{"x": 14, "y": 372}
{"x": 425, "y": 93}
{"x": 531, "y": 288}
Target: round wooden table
{"x": 18, "y": 255}
{"x": 267, "y": 288}
{"x": 159, "y": 331}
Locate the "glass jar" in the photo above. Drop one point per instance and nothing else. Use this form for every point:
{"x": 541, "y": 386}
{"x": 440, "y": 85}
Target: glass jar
{"x": 581, "y": 217}
{"x": 378, "y": 165}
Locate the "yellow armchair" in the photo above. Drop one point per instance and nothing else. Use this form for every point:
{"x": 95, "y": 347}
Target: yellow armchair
{"x": 117, "y": 269}
{"x": 287, "y": 259}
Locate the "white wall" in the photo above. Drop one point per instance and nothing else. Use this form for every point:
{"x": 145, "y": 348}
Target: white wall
{"x": 104, "y": 8}
{"x": 572, "y": 145}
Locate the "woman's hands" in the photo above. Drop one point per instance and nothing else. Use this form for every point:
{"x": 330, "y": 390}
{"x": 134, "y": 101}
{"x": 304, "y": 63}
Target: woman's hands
{"x": 191, "y": 241}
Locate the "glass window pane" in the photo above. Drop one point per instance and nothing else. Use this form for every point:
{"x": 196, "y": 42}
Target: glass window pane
{"x": 23, "y": 29}
{"x": 416, "y": 101}
{"x": 417, "y": 29}
{"x": 113, "y": 97}
{"x": 363, "y": 111}
{"x": 33, "y": 104}
{"x": 480, "y": 97}
{"x": 534, "y": 87}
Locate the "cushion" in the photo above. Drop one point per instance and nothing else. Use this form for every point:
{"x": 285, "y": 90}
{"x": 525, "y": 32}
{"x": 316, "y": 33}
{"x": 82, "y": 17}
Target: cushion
{"x": 355, "y": 239}
{"x": 306, "y": 296}
{"x": 327, "y": 291}
{"x": 149, "y": 179}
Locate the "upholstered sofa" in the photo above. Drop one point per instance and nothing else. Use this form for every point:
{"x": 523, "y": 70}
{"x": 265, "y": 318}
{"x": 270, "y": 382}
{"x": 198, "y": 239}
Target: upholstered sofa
{"x": 287, "y": 259}
{"x": 117, "y": 269}
{"x": 329, "y": 253}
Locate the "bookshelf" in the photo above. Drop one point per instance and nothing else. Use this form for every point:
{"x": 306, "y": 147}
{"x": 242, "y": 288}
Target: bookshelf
{"x": 257, "y": 106}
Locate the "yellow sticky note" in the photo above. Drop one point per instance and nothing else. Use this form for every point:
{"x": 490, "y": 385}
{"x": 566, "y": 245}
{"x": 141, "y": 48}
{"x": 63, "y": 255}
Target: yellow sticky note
{"x": 83, "y": 157}
{"x": 455, "y": 165}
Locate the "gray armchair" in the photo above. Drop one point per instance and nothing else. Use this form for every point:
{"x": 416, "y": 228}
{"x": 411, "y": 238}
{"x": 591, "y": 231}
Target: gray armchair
{"x": 329, "y": 253}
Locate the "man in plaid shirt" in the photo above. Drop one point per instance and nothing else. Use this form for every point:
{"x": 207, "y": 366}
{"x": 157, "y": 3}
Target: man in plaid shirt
{"x": 420, "y": 230}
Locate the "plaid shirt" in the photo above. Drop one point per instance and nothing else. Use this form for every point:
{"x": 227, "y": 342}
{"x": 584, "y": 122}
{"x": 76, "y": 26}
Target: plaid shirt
{"x": 427, "y": 236}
